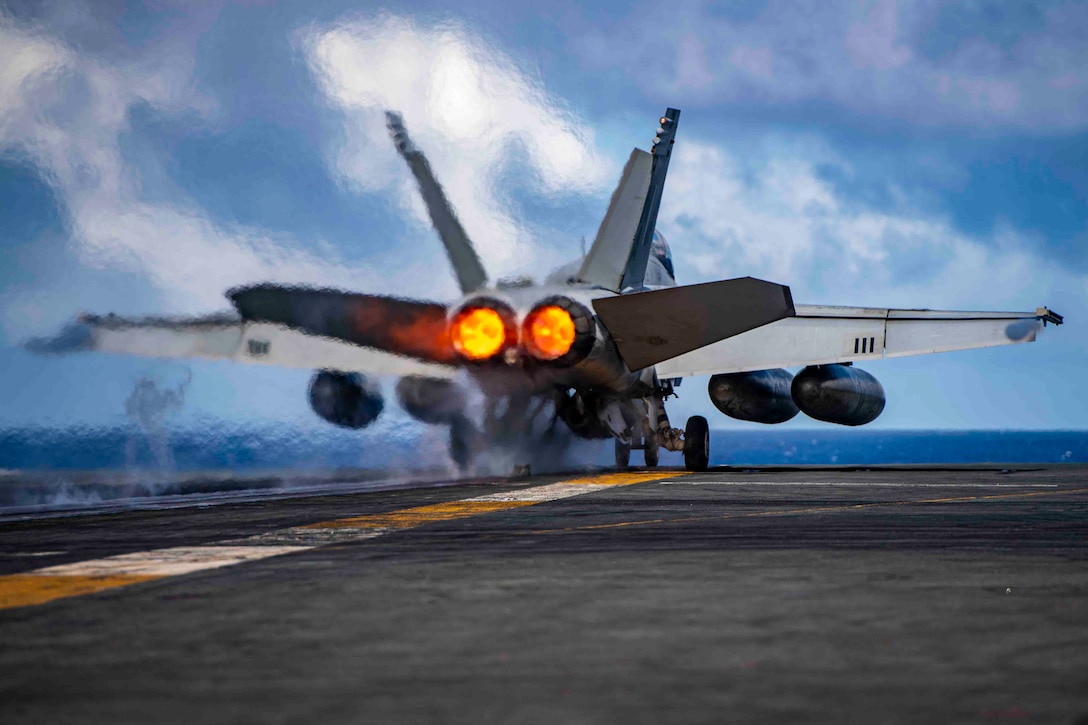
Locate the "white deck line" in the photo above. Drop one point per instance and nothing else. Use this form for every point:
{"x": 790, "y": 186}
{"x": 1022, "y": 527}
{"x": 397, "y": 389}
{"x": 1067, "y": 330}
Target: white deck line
{"x": 541, "y": 494}
{"x": 168, "y": 562}
{"x": 179, "y": 560}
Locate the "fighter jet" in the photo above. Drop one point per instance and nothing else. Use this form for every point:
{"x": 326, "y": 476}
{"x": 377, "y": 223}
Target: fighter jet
{"x": 602, "y": 343}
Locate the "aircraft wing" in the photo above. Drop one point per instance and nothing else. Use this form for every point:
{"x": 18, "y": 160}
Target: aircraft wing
{"x": 228, "y": 338}
{"x": 818, "y": 335}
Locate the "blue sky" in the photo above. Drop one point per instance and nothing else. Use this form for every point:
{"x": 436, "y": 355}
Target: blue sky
{"x": 921, "y": 154}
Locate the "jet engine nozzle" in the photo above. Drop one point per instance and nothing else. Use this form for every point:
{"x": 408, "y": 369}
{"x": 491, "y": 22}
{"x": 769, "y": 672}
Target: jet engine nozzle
{"x": 549, "y": 332}
{"x": 482, "y": 329}
{"x": 558, "y": 331}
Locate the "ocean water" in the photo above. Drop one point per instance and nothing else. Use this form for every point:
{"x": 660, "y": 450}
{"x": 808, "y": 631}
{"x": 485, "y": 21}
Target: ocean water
{"x": 861, "y": 447}
{"x": 282, "y": 447}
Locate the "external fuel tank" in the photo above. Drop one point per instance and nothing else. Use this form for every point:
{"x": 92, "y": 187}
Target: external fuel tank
{"x": 839, "y": 394}
{"x": 762, "y": 396}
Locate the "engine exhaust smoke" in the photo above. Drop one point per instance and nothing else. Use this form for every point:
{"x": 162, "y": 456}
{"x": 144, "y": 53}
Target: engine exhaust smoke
{"x": 148, "y": 406}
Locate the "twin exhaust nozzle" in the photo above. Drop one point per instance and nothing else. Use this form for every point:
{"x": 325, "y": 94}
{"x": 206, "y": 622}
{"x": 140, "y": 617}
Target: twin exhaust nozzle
{"x": 557, "y": 331}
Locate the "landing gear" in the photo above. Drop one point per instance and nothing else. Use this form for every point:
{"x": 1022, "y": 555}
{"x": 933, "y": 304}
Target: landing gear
{"x": 463, "y": 442}
{"x": 651, "y": 450}
{"x": 441, "y": 402}
{"x": 696, "y": 444}
{"x": 651, "y": 456}
{"x": 623, "y": 455}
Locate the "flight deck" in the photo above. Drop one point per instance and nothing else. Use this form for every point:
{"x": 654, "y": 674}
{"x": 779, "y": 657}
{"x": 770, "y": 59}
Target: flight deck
{"x": 818, "y": 594}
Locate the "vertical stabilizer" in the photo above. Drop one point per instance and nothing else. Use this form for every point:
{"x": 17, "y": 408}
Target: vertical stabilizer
{"x": 635, "y": 271}
{"x": 607, "y": 258}
{"x": 466, "y": 265}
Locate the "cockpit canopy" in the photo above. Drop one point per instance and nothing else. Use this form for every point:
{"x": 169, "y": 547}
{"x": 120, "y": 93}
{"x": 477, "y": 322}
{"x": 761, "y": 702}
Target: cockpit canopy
{"x": 659, "y": 249}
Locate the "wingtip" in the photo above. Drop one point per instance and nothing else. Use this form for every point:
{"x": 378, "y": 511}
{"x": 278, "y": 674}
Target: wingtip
{"x": 76, "y": 336}
{"x": 1048, "y": 316}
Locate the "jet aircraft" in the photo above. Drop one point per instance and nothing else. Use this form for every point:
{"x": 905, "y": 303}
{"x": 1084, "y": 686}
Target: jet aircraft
{"x": 606, "y": 340}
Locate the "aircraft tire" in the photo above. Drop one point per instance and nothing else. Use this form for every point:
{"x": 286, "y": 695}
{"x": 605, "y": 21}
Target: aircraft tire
{"x": 652, "y": 452}
{"x": 462, "y": 443}
{"x": 623, "y": 455}
{"x": 696, "y": 444}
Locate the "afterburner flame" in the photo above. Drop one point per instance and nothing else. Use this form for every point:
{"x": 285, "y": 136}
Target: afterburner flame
{"x": 551, "y": 332}
{"x": 477, "y": 332}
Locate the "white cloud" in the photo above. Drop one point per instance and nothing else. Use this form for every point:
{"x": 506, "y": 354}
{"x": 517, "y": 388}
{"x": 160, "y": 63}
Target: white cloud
{"x": 874, "y": 41}
{"x": 469, "y": 107}
{"x": 868, "y": 57}
{"x": 66, "y": 112}
{"x": 27, "y": 60}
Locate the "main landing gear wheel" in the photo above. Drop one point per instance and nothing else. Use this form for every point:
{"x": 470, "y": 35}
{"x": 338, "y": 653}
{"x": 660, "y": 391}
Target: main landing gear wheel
{"x": 463, "y": 436}
{"x": 651, "y": 451}
{"x": 696, "y": 444}
{"x": 623, "y": 455}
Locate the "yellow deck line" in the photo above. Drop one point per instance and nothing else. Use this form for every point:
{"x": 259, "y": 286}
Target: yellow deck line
{"x": 25, "y": 590}
{"x": 420, "y": 515}
{"x": 87, "y": 577}
{"x": 623, "y": 479}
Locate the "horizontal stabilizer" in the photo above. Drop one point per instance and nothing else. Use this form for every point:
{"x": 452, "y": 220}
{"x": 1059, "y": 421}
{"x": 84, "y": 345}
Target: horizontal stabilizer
{"x": 403, "y": 327}
{"x": 649, "y": 327}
